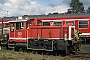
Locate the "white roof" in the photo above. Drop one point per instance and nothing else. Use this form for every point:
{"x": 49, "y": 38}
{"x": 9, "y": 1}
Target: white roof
{"x": 17, "y": 21}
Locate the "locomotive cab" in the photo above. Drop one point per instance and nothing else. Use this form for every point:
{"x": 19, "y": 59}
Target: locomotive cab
{"x": 18, "y": 34}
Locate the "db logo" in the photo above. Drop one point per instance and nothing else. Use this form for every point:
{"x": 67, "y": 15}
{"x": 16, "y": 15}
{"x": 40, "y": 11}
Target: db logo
{"x": 19, "y": 34}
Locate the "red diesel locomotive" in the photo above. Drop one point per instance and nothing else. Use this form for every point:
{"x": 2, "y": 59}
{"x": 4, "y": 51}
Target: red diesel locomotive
{"x": 36, "y": 34}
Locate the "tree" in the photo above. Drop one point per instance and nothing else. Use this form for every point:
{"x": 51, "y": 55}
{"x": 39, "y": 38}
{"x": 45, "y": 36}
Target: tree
{"x": 49, "y": 13}
{"x": 55, "y": 13}
{"x": 76, "y": 7}
{"x": 88, "y": 10}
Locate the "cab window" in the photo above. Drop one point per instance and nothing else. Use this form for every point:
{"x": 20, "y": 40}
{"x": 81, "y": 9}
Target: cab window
{"x": 19, "y": 25}
{"x": 12, "y": 27}
{"x": 27, "y": 24}
{"x": 57, "y": 23}
{"x": 46, "y": 23}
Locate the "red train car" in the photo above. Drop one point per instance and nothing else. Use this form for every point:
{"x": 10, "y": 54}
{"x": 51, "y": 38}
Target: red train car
{"x": 81, "y": 23}
{"x": 5, "y": 25}
{"x": 34, "y": 34}
{"x": 4, "y": 32}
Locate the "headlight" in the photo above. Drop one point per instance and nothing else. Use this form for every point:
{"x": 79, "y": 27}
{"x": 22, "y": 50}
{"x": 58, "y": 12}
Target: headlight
{"x": 5, "y": 35}
{"x": 65, "y": 37}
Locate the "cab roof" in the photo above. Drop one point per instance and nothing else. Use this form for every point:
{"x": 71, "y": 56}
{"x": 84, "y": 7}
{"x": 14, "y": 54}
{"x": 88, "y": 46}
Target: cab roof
{"x": 13, "y": 21}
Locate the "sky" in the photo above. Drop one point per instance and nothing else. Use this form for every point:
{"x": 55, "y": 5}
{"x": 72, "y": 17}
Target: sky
{"x": 35, "y": 7}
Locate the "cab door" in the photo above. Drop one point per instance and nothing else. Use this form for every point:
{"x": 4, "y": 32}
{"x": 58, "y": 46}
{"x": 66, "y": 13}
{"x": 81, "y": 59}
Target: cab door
{"x": 12, "y": 32}
{"x": 20, "y": 32}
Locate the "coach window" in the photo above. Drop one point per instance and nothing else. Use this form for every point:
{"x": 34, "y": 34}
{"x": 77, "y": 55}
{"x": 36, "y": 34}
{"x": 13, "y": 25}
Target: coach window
{"x": 46, "y": 23}
{"x": 6, "y": 25}
{"x": 83, "y": 24}
{"x": 70, "y": 22}
{"x": 19, "y": 26}
{"x": 58, "y": 23}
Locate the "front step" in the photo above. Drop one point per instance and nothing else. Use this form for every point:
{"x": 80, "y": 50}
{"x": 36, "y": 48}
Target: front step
{"x": 11, "y": 45}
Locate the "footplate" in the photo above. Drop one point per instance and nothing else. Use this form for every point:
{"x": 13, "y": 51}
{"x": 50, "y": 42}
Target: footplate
{"x": 36, "y": 44}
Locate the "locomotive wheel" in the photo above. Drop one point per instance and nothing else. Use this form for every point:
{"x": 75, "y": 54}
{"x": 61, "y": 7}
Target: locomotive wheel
{"x": 20, "y": 49}
{"x": 67, "y": 50}
{"x": 16, "y": 48}
{"x": 75, "y": 48}
{"x": 23, "y": 49}
{"x": 7, "y": 46}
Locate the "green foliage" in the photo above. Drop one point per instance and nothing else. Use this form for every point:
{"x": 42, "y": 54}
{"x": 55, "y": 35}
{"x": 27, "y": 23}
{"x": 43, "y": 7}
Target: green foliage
{"x": 50, "y": 14}
{"x": 88, "y": 10}
{"x": 76, "y": 7}
{"x": 55, "y": 13}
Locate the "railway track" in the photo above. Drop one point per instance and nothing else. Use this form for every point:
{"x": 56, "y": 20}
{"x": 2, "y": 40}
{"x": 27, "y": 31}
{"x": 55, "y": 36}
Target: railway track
{"x": 80, "y": 55}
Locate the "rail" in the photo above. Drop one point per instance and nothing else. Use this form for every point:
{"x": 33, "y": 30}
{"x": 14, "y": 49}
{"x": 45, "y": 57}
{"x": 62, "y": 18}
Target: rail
{"x": 80, "y": 55}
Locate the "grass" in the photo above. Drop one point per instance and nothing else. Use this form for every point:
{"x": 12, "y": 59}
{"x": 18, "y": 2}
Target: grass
{"x": 12, "y": 55}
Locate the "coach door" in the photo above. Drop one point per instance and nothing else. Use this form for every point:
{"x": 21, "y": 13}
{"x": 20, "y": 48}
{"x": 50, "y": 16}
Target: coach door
{"x": 71, "y": 32}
